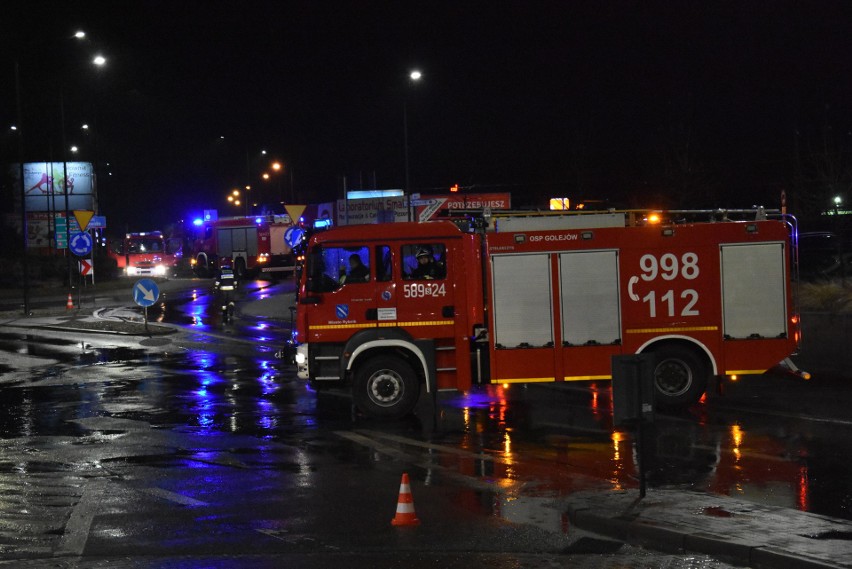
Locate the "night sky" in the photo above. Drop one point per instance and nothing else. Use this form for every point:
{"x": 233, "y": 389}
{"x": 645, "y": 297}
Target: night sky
{"x": 643, "y": 104}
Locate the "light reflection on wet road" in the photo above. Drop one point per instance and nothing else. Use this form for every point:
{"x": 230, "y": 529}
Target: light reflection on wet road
{"x": 195, "y": 423}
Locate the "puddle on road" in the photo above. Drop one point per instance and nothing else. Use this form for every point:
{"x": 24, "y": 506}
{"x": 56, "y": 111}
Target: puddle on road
{"x": 717, "y": 512}
{"x": 838, "y": 535}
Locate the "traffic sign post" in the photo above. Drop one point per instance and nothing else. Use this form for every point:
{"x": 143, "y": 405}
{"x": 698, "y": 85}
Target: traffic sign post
{"x": 145, "y": 294}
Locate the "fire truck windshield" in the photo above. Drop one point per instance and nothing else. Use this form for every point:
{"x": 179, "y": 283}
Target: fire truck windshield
{"x": 329, "y": 268}
{"x": 145, "y": 246}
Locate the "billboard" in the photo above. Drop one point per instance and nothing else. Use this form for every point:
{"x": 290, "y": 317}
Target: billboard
{"x": 424, "y": 207}
{"x": 372, "y": 210}
{"x": 429, "y": 207}
{"x": 46, "y": 185}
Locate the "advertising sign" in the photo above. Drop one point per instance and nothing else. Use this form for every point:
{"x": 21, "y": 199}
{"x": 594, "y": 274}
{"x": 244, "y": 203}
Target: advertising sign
{"x": 371, "y": 210}
{"x": 430, "y": 206}
{"x": 425, "y": 207}
{"x": 46, "y": 185}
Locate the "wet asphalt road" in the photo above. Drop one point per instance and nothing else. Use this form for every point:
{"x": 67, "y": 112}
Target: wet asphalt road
{"x": 202, "y": 450}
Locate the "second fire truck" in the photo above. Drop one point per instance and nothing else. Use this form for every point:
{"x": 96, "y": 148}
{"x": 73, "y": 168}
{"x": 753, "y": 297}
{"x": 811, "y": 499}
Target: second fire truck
{"x": 544, "y": 299}
{"x": 249, "y": 245}
{"x": 146, "y": 253}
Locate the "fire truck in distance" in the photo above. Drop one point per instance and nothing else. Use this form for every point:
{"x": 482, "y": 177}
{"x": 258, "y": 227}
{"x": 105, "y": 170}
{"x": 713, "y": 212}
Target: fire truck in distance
{"x": 544, "y": 298}
{"x": 146, "y": 253}
{"x": 250, "y": 245}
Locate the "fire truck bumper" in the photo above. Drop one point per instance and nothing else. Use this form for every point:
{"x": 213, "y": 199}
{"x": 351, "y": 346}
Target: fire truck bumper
{"x": 301, "y": 359}
{"x": 791, "y": 368}
{"x": 295, "y": 354}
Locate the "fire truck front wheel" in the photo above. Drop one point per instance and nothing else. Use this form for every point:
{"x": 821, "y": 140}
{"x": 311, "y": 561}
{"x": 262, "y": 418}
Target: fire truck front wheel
{"x": 680, "y": 377}
{"x": 386, "y": 387}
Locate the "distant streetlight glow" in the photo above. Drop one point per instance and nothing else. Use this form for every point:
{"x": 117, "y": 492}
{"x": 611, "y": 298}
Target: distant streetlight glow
{"x": 99, "y": 60}
{"x": 838, "y": 200}
{"x": 415, "y": 75}
{"x": 80, "y": 34}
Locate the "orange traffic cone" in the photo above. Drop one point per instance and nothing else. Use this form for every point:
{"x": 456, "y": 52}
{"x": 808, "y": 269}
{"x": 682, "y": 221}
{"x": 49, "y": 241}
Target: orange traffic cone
{"x": 70, "y": 304}
{"x": 405, "y": 515}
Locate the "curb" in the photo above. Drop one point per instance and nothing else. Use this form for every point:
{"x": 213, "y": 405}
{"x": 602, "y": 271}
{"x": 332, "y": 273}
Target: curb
{"x": 668, "y": 539}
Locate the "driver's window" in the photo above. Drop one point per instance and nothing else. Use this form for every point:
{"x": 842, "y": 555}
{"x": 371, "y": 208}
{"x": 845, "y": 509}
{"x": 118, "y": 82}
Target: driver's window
{"x": 117, "y": 246}
{"x": 333, "y": 267}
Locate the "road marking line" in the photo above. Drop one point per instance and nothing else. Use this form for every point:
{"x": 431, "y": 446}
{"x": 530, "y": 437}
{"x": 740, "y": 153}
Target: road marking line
{"x": 174, "y": 497}
{"x": 77, "y": 529}
{"x": 493, "y": 484}
{"x": 430, "y": 446}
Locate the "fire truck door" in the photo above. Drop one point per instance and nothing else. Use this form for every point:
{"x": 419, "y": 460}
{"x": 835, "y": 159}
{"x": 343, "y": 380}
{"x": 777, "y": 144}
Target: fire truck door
{"x": 341, "y": 284}
{"x": 421, "y": 298}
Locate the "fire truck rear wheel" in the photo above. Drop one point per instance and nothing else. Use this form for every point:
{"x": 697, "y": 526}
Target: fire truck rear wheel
{"x": 680, "y": 377}
{"x": 386, "y": 387}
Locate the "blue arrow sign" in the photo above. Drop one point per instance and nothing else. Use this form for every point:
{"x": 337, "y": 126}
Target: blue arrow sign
{"x": 81, "y": 244}
{"x": 145, "y": 292}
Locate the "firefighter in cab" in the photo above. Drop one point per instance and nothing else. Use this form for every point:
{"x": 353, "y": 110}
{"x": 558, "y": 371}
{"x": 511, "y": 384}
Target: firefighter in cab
{"x": 427, "y": 268}
{"x": 358, "y": 271}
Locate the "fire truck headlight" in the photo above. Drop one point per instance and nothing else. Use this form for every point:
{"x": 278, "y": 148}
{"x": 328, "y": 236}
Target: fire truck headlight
{"x": 160, "y": 270}
{"x": 130, "y": 271}
{"x": 301, "y": 358}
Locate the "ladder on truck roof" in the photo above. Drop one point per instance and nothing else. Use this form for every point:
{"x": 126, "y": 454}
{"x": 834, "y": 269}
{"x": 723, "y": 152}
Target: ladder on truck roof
{"x": 531, "y": 220}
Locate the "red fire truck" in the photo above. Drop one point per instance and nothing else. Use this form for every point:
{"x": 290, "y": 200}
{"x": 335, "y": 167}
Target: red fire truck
{"x": 249, "y": 245}
{"x": 147, "y": 253}
{"x": 545, "y": 299}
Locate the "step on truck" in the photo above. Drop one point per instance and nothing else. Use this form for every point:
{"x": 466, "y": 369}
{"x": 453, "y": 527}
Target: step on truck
{"x": 541, "y": 298}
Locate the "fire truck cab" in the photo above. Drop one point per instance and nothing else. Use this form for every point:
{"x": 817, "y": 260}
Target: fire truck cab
{"x": 146, "y": 253}
{"x": 542, "y": 300}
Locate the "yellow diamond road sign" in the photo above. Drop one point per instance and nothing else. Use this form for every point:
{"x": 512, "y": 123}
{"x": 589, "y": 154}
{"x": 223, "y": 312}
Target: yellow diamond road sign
{"x": 83, "y": 218}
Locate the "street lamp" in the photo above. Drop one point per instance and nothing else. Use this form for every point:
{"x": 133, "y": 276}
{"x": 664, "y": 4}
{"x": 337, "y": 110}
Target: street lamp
{"x": 79, "y": 35}
{"x": 413, "y": 78}
{"x": 98, "y": 61}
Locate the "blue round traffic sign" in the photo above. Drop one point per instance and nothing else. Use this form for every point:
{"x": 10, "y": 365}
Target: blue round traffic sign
{"x": 81, "y": 243}
{"x": 293, "y": 235}
{"x": 145, "y": 292}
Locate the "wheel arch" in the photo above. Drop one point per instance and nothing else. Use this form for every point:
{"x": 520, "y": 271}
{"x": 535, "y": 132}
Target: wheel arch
{"x": 366, "y": 343}
{"x": 204, "y": 262}
{"x": 660, "y": 342}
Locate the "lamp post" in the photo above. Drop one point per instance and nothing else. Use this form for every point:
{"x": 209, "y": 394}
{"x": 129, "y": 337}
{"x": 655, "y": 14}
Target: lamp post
{"x": 24, "y": 236}
{"x": 99, "y": 60}
{"x": 413, "y": 78}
